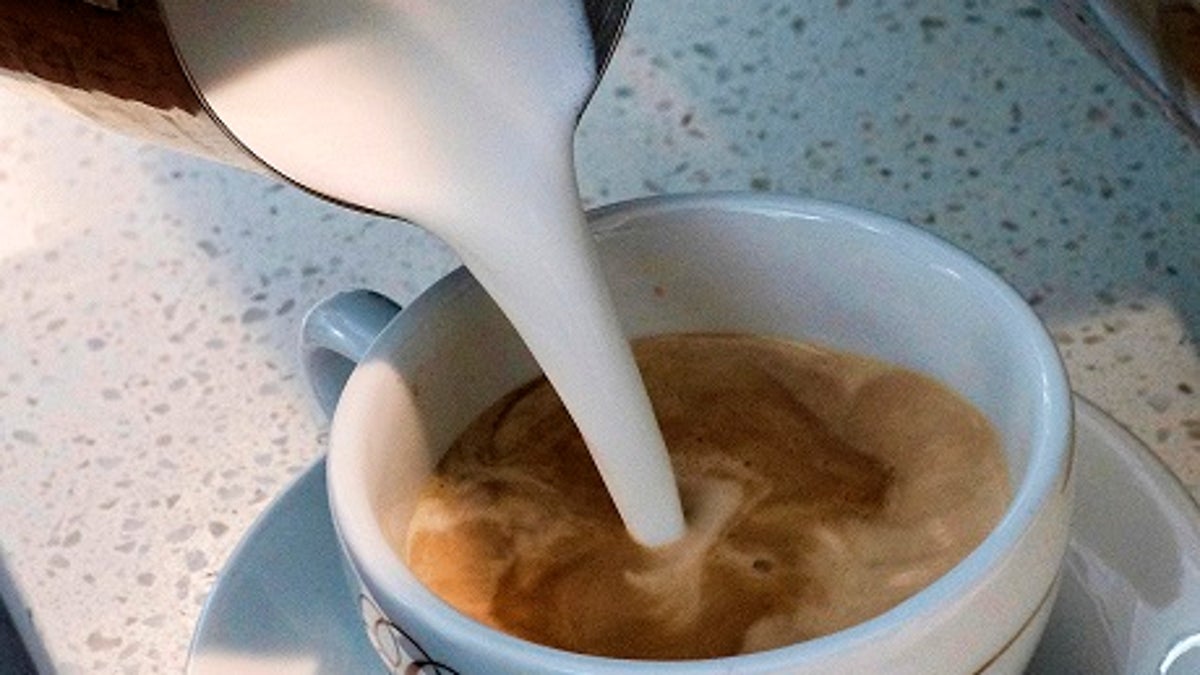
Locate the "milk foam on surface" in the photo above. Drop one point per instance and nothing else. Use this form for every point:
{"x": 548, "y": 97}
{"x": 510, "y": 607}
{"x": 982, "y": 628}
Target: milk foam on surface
{"x": 821, "y": 489}
{"x": 459, "y": 116}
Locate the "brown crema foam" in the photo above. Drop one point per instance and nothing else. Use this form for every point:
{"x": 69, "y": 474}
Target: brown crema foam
{"x": 821, "y": 488}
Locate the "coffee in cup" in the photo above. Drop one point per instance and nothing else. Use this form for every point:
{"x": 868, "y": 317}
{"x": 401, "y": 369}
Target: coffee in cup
{"x": 822, "y": 488}
{"x": 802, "y": 270}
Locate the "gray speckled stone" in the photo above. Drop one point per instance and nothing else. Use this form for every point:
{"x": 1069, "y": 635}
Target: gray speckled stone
{"x": 980, "y": 121}
{"x": 150, "y": 399}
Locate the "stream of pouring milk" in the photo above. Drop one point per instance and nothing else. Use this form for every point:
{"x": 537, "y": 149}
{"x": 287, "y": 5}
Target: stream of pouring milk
{"x": 459, "y": 116}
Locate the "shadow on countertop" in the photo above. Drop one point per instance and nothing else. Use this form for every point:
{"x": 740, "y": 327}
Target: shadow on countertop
{"x": 14, "y": 660}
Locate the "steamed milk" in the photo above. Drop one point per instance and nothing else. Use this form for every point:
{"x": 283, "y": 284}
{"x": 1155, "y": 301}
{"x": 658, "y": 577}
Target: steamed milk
{"x": 459, "y": 116}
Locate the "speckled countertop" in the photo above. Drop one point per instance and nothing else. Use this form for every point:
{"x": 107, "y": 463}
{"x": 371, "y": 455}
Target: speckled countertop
{"x": 151, "y": 403}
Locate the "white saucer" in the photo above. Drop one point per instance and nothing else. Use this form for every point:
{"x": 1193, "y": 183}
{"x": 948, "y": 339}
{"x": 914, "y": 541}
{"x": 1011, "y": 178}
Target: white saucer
{"x": 1129, "y": 602}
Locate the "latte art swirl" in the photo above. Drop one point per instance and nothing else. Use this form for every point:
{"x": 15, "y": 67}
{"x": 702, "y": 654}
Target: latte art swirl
{"x": 821, "y": 488}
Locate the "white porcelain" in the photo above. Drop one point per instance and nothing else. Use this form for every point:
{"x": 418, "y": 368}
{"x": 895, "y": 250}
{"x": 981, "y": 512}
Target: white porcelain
{"x": 279, "y": 605}
{"x": 1130, "y": 595}
{"x": 743, "y": 263}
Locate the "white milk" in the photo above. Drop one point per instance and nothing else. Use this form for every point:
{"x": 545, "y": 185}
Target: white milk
{"x": 459, "y": 116}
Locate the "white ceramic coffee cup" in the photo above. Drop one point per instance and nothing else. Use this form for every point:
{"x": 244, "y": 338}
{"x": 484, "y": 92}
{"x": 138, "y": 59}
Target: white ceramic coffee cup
{"x": 734, "y": 263}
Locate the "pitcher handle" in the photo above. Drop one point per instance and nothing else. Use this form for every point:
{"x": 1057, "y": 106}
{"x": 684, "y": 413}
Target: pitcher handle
{"x": 336, "y": 334}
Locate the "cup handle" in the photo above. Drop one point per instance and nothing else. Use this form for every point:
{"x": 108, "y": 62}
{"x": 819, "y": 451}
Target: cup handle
{"x": 336, "y": 334}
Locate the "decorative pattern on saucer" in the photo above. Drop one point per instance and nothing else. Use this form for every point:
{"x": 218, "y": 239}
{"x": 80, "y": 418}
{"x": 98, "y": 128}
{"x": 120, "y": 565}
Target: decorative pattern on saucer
{"x": 401, "y": 654}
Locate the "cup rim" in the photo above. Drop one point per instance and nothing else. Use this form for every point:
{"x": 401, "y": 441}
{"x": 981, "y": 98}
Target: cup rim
{"x": 1049, "y": 465}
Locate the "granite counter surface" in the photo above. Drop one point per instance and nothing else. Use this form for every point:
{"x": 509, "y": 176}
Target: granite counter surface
{"x": 151, "y": 403}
